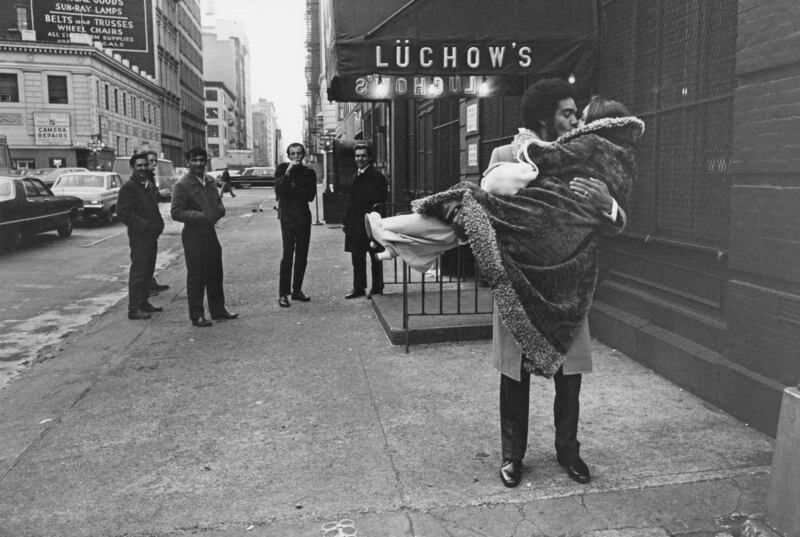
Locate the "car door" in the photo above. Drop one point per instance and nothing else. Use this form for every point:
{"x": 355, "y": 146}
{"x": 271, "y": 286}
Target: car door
{"x": 114, "y": 186}
{"x": 34, "y": 208}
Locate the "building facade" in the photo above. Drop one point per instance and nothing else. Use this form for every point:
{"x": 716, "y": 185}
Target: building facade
{"x": 190, "y": 46}
{"x": 265, "y": 124}
{"x": 220, "y": 117}
{"x": 227, "y": 62}
{"x": 703, "y": 285}
{"x": 168, "y": 65}
{"x": 74, "y": 105}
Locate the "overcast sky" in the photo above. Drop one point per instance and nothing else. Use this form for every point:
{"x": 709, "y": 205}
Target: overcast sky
{"x": 276, "y": 31}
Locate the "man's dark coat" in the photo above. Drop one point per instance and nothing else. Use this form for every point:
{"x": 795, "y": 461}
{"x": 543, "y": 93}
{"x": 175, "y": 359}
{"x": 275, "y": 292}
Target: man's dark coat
{"x": 369, "y": 188}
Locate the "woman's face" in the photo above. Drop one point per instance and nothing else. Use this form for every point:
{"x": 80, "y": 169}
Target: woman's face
{"x": 582, "y": 120}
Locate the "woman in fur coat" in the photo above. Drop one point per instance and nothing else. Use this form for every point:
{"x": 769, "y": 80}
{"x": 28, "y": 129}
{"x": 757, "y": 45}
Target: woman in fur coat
{"x": 535, "y": 242}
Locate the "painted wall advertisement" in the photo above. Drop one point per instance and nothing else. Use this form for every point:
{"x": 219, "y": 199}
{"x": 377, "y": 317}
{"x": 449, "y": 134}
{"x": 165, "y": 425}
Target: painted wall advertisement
{"x": 52, "y": 128}
{"x": 122, "y": 25}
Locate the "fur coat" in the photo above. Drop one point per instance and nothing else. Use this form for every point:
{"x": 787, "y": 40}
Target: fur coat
{"x": 538, "y": 249}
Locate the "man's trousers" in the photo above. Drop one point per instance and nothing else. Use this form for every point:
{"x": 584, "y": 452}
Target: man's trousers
{"x": 203, "y": 255}
{"x": 143, "y": 264}
{"x": 296, "y": 237}
{"x": 514, "y": 411}
{"x": 359, "y": 259}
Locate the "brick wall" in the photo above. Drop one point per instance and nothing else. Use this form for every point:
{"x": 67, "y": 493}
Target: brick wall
{"x": 763, "y": 302}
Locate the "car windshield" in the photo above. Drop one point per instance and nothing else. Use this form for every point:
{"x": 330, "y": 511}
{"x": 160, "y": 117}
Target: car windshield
{"x": 81, "y": 180}
{"x": 40, "y": 172}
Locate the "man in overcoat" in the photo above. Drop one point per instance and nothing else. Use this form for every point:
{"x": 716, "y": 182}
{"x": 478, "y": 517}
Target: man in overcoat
{"x": 369, "y": 188}
{"x": 137, "y": 208}
{"x": 196, "y": 203}
{"x": 548, "y": 111}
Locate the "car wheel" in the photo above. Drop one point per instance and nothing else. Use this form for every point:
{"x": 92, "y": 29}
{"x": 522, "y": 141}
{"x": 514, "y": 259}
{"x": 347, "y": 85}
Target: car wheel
{"x": 110, "y": 215}
{"x": 12, "y": 239}
{"x": 66, "y": 229}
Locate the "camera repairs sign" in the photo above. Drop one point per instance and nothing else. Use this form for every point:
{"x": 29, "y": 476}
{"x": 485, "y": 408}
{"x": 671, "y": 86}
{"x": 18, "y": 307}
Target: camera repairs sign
{"x": 51, "y": 128}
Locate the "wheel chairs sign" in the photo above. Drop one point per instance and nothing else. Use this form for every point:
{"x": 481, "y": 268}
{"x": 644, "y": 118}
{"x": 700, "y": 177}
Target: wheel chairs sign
{"x": 52, "y": 128}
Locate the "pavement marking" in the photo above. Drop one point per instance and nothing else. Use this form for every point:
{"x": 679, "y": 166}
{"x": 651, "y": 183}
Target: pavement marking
{"x": 342, "y": 528}
{"x": 89, "y": 245}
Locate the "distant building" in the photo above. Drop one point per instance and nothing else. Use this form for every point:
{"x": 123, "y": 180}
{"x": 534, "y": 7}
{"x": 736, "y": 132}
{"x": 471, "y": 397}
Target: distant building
{"x": 264, "y": 141}
{"x": 227, "y": 62}
{"x": 220, "y": 117}
{"x": 190, "y": 46}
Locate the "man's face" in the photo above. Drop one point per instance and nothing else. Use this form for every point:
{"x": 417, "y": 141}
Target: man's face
{"x": 152, "y": 161}
{"x": 295, "y": 154}
{"x": 140, "y": 164}
{"x": 198, "y": 165}
{"x": 564, "y": 120}
{"x": 362, "y": 158}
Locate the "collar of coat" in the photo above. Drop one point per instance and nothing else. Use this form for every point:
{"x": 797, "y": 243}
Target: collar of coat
{"x": 633, "y": 125}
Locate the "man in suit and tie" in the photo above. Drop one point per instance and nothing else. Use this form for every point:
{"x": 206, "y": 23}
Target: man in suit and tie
{"x": 369, "y": 188}
{"x": 137, "y": 208}
{"x": 196, "y": 203}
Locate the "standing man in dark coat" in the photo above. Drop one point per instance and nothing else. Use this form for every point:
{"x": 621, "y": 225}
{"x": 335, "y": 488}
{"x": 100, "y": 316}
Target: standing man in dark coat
{"x": 369, "y": 188}
{"x": 196, "y": 203}
{"x": 152, "y": 163}
{"x": 295, "y": 188}
{"x": 137, "y": 208}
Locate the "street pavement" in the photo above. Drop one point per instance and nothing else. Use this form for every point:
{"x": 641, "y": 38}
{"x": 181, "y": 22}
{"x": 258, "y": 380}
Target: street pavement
{"x": 306, "y": 421}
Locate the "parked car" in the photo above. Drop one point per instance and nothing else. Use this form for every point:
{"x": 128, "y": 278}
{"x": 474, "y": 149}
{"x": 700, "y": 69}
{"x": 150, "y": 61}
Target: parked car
{"x": 253, "y": 177}
{"x": 28, "y": 207}
{"x": 48, "y": 176}
{"x": 166, "y": 177}
{"x": 98, "y": 190}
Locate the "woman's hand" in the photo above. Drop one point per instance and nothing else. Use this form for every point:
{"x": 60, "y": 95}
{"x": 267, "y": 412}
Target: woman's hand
{"x": 595, "y": 192}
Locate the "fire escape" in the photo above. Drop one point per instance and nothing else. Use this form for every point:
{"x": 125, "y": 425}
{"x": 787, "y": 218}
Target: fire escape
{"x": 313, "y": 127}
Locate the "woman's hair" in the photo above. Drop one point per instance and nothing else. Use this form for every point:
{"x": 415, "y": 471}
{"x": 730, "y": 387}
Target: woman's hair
{"x": 600, "y": 107}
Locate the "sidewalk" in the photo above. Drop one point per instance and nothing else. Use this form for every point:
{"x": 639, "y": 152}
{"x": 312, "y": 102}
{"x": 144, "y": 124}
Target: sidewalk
{"x": 288, "y": 421}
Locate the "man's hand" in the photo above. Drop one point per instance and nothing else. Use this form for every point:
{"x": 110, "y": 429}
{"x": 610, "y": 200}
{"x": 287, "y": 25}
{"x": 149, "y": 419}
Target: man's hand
{"x": 595, "y": 192}
{"x": 457, "y": 223}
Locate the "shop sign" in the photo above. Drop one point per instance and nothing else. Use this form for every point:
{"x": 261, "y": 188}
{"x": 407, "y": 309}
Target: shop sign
{"x": 405, "y": 54}
{"x": 122, "y": 25}
{"x": 386, "y": 87}
{"x": 52, "y": 128}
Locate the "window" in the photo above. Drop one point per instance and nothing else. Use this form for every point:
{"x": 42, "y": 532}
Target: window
{"x": 211, "y": 95}
{"x": 24, "y": 164}
{"x": 213, "y": 131}
{"x": 22, "y": 18}
{"x": 57, "y": 89}
{"x": 9, "y": 90}
{"x": 116, "y": 100}
{"x": 213, "y": 150}
{"x": 212, "y": 113}
{"x": 124, "y": 105}
{"x": 108, "y": 104}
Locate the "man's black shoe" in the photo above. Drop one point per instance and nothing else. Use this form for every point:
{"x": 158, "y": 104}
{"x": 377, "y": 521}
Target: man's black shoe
{"x": 284, "y": 301}
{"x": 224, "y": 316}
{"x": 201, "y": 322}
{"x": 159, "y": 287}
{"x": 149, "y": 308}
{"x": 374, "y": 292}
{"x": 511, "y": 472}
{"x": 138, "y": 315}
{"x": 354, "y": 293}
{"x": 300, "y": 296}
{"x": 577, "y": 470}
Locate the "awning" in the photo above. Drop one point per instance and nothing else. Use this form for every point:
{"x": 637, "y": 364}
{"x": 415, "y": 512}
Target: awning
{"x": 382, "y": 49}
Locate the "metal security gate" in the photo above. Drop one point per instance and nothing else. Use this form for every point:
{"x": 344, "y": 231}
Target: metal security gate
{"x": 672, "y": 62}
